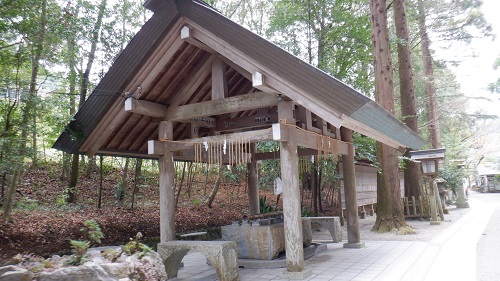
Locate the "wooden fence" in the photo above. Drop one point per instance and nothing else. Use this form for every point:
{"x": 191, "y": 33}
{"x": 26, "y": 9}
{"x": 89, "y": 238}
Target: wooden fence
{"x": 416, "y": 207}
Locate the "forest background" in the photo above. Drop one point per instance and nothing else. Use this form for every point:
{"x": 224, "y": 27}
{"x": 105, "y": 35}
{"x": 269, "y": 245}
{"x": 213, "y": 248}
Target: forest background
{"x": 53, "y": 54}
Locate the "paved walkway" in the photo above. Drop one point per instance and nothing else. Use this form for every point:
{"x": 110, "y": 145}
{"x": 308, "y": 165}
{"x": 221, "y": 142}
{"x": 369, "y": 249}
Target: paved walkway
{"x": 449, "y": 256}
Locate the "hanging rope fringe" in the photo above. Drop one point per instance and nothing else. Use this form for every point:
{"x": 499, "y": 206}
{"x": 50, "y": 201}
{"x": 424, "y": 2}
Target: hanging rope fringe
{"x": 236, "y": 151}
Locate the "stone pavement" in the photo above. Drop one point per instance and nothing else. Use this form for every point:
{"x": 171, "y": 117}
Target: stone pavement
{"x": 449, "y": 256}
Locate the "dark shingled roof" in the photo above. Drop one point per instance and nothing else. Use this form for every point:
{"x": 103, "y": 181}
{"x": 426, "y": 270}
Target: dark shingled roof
{"x": 312, "y": 87}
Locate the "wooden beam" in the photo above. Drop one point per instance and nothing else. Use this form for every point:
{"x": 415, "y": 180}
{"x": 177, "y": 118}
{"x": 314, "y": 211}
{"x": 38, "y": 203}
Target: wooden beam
{"x": 167, "y": 185}
{"x": 205, "y": 122}
{"x": 219, "y": 80}
{"x": 186, "y": 36}
{"x": 156, "y": 147}
{"x": 258, "y": 81}
{"x": 192, "y": 83}
{"x": 238, "y": 68}
{"x": 306, "y": 139}
{"x": 274, "y": 80}
{"x": 252, "y": 121}
{"x": 107, "y": 124}
{"x": 222, "y": 106}
{"x": 291, "y": 192}
{"x": 188, "y": 155}
{"x": 276, "y": 155}
{"x": 144, "y": 107}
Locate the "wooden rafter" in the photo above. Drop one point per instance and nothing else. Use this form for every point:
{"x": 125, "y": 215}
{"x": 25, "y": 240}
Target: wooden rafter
{"x": 107, "y": 125}
{"x": 222, "y": 106}
{"x": 272, "y": 79}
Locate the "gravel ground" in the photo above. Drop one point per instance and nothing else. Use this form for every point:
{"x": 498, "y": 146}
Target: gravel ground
{"x": 424, "y": 231}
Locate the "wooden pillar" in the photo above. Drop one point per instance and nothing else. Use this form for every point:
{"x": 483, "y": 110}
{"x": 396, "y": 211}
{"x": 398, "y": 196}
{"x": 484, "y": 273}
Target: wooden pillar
{"x": 167, "y": 187}
{"x": 351, "y": 202}
{"x": 253, "y": 188}
{"x": 291, "y": 194}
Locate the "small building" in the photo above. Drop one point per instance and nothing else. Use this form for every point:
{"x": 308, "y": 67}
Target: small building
{"x": 192, "y": 85}
{"x": 488, "y": 178}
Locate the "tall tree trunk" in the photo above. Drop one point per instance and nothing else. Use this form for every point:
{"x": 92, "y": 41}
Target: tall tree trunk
{"x": 27, "y": 114}
{"x": 121, "y": 194}
{"x": 412, "y": 175}
{"x": 83, "y": 95}
{"x": 430, "y": 90}
{"x": 34, "y": 74}
{"x": 216, "y": 186}
{"x": 389, "y": 209}
{"x": 181, "y": 182}
{"x": 315, "y": 186}
{"x": 137, "y": 180}
{"x": 9, "y": 199}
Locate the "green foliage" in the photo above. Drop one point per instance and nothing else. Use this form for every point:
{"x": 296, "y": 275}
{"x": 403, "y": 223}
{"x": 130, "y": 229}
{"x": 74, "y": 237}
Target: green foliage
{"x": 62, "y": 199}
{"x": 233, "y": 175}
{"x": 305, "y": 212}
{"x": 365, "y": 149}
{"x": 79, "y": 250}
{"x": 92, "y": 231}
{"x": 135, "y": 246}
{"x": 27, "y": 204}
{"x": 333, "y": 35}
{"x": 269, "y": 169}
{"x": 453, "y": 175}
{"x": 265, "y": 207}
{"x": 119, "y": 192}
{"x": 329, "y": 175}
{"x": 196, "y": 201}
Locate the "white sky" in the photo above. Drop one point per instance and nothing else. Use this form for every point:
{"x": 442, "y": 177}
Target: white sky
{"x": 475, "y": 73}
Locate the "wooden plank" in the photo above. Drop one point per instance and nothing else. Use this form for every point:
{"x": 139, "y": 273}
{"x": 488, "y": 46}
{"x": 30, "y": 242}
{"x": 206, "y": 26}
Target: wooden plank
{"x": 205, "y": 122}
{"x": 309, "y": 140}
{"x": 144, "y": 107}
{"x": 219, "y": 80}
{"x": 167, "y": 186}
{"x": 101, "y": 132}
{"x": 222, "y": 106}
{"x": 258, "y": 81}
{"x": 190, "y": 85}
{"x": 252, "y": 121}
{"x": 276, "y": 155}
{"x": 186, "y": 36}
{"x": 188, "y": 155}
{"x": 273, "y": 79}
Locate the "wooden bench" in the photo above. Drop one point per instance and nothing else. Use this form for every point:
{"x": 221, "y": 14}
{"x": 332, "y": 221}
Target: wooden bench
{"x": 221, "y": 255}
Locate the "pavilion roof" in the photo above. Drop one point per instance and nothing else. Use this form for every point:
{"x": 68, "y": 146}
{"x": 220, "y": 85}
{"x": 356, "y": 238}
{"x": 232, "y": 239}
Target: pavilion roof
{"x": 162, "y": 67}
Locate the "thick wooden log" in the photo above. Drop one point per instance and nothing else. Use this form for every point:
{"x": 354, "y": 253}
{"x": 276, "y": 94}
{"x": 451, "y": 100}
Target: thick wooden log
{"x": 291, "y": 195}
{"x": 167, "y": 187}
{"x": 246, "y": 122}
{"x": 258, "y": 81}
{"x": 221, "y": 106}
{"x": 253, "y": 188}
{"x": 219, "y": 80}
{"x": 353, "y": 235}
{"x": 144, "y": 107}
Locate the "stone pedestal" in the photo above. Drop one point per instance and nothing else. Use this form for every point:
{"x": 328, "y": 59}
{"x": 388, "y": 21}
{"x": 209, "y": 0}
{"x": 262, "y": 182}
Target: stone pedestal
{"x": 262, "y": 242}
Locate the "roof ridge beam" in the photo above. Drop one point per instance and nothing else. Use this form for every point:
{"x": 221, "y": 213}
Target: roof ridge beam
{"x": 201, "y": 109}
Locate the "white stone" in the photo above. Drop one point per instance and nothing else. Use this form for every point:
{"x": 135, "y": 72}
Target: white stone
{"x": 14, "y": 273}
{"x": 89, "y": 271}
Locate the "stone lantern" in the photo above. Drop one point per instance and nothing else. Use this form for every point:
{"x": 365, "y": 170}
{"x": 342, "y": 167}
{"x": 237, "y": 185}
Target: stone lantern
{"x": 430, "y": 160}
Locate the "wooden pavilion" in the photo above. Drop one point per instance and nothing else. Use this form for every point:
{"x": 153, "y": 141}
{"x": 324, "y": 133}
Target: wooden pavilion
{"x": 193, "y": 85}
